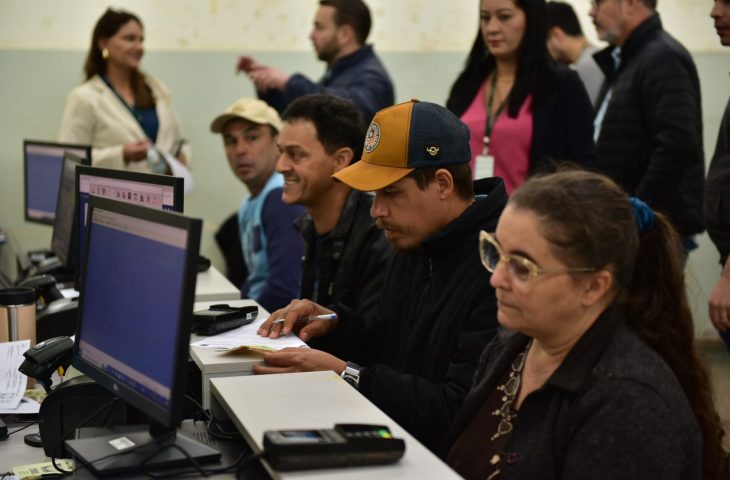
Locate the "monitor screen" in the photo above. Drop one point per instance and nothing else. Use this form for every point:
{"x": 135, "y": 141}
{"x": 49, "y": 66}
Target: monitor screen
{"x": 133, "y": 327}
{"x": 43, "y": 163}
{"x": 133, "y": 333}
{"x": 63, "y": 224}
{"x": 154, "y": 191}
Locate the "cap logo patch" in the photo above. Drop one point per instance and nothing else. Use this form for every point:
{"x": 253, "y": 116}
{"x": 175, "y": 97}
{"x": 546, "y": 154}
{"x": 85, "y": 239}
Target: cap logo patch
{"x": 433, "y": 151}
{"x": 372, "y": 137}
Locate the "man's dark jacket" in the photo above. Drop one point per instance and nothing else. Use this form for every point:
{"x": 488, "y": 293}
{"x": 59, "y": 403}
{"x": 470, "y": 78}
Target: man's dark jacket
{"x": 717, "y": 194}
{"x": 351, "y": 263}
{"x": 612, "y": 410}
{"x": 436, "y": 314}
{"x": 651, "y": 136}
{"x": 360, "y": 77}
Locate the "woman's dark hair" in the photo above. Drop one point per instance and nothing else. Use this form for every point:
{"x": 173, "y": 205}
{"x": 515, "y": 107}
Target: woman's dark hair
{"x": 589, "y": 221}
{"x": 535, "y": 68}
{"x": 338, "y": 121}
{"x": 106, "y": 27}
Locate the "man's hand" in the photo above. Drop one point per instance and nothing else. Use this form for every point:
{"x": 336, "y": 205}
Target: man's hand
{"x": 292, "y": 315}
{"x": 267, "y": 78}
{"x": 291, "y": 360}
{"x": 720, "y": 304}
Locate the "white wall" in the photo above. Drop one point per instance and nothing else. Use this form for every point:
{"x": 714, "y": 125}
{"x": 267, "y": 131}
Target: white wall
{"x": 192, "y": 46}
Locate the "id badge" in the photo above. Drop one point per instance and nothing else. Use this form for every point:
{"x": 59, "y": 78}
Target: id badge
{"x": 483, "y": 166}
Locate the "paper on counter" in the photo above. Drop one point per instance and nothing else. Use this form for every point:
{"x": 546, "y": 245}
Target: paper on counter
{"x": 12, "y": 382}
{"x": 26, "y": 406}
{"x": 246, "y": 336}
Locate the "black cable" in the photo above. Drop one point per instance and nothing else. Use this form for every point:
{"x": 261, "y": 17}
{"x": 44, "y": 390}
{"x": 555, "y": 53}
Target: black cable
{"x": 21, "y": 428}
{"x": 6, "y": 474}
{"x": 112, "y": 402}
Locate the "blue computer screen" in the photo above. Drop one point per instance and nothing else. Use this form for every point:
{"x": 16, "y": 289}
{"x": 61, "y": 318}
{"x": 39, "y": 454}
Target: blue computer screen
{"x": 132, "y": 299}
{"x": 43, "y": 164}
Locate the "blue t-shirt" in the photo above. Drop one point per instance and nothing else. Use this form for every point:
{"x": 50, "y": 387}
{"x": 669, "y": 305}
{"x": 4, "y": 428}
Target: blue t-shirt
{"x": 272, "y": 249}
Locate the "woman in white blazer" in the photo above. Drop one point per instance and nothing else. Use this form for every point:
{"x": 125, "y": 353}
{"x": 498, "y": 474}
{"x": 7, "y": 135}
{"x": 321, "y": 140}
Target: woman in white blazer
{"x": 126, "y": 116}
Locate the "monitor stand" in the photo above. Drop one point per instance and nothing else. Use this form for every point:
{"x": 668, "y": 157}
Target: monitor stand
{"x": 105, "y": 455}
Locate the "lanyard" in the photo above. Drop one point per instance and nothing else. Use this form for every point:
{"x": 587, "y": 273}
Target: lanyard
{"x": 132, "y": 110}
{"x": 491, "y": 120}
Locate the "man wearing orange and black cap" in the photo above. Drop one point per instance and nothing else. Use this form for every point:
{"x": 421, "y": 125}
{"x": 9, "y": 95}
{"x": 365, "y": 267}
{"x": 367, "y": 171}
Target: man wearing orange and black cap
{"x": 415, "y": 355}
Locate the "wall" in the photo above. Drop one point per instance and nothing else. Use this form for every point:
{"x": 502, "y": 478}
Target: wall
{"x": 192, "y": 46}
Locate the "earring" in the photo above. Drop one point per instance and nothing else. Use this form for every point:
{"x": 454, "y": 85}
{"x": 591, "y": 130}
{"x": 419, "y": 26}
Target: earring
{"x": 105, "y": 54}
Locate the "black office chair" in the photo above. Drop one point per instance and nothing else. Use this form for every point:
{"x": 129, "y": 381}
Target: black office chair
{"x": 229, "y": 242}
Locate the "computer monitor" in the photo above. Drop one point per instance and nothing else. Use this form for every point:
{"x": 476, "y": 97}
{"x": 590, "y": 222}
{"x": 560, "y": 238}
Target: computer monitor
{"x": 62, "y": 240}
{"x": 155, "y": 191}
{"x": 43, "y": 163}
{"x": 133, "y": 329}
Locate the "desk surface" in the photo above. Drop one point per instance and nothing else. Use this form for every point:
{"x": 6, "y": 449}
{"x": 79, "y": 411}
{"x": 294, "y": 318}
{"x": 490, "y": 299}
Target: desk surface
{"x": 317, "y": 400}
{"x": 212, "y": 285}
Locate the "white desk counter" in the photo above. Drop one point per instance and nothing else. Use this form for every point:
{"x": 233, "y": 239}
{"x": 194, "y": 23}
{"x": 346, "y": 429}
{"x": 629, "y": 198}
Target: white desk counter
{"x": 317, "y": 400}
{"x": 212, "y": 286}
{"x": 213, "y": 363}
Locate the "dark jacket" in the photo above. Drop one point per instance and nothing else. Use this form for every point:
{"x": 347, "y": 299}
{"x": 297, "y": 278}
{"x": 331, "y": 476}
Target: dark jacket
{"x": 562, "y": 122}
{"x": 360, "y": 77}
{"x": 717, "y": 190}
{"x": 436, "y": 313}
{"x": 612, "y": 410}
{"x": 651, "y": 136}
{"x": 351, "y": 263}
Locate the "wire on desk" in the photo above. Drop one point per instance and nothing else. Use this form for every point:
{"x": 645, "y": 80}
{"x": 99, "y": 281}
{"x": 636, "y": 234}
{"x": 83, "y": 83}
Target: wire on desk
{"x": 19, "y": 429}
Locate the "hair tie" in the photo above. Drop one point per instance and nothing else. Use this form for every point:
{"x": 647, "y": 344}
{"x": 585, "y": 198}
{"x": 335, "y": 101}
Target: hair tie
{"x": 643, "y": 214}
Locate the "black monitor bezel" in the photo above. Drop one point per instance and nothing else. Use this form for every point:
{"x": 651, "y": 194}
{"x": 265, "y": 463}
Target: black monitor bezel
{"x": 177, "y": 183}
{"x": 45, "y": 143}
{"x": 171, "y": 417}
{"x": 67, "y": 258}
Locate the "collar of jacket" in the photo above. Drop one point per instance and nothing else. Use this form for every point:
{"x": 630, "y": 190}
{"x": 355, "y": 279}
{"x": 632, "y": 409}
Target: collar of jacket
{"x": 482, "y": 213}
{"x": 572, "y": 374}
{"x": 159, "y": 91}
{"x": 305, "y": 224}
{"x": 354, "y": 58}
{"x": 636, "y": 41}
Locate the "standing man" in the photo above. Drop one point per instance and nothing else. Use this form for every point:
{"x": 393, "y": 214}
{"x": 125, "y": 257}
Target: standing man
{"x": 717, "y": 194}
{"x": 649, "y": 122}
{"x": 569, "y": 46}
{"x": 353, "y": 70}
{"x": 414, "y": 356}
{"x": 344, "y": 252}
{"x": 270, "y": 244}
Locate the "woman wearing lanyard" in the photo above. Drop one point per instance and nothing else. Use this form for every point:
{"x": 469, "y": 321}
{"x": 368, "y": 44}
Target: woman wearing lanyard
{"x": 523, "y": 110}
{"x": 125, "y": 115}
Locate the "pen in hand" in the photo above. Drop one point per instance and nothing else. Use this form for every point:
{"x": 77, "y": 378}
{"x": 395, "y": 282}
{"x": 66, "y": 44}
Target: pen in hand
{"x": 327, "y": 316}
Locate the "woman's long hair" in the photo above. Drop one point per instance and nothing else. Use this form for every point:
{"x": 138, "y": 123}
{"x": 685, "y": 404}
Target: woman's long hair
{"x": 535, "y": 68}
{"x": 106, "y": 27}
{"x": 588, "y": 220}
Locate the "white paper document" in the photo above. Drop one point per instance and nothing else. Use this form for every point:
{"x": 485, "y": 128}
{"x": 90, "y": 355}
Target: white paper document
{"x": 12, "y": 382}
{"x": 179, "y": 170}
{"x": 246, "y": 336}
{"x": 25, "y": 407}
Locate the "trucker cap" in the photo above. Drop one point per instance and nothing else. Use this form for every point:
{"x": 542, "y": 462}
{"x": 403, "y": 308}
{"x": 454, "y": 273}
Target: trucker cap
{"x": 251, "y": 109}
{"x": 404, "y": 137}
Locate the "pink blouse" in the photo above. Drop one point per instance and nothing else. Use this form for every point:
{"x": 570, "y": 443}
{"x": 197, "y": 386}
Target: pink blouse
{"x": 510, "y": 143}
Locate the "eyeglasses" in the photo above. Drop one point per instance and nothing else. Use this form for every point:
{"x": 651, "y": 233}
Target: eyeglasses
{"x": 522, "y": 270}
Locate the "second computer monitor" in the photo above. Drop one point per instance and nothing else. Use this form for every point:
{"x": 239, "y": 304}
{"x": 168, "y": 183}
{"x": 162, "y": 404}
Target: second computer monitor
{"x": 43, "y": 164}
{"x": 150, "y": 190}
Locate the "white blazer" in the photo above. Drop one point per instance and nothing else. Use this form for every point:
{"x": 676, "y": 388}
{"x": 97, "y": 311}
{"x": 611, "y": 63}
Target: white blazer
{"x": 95, "y": 116}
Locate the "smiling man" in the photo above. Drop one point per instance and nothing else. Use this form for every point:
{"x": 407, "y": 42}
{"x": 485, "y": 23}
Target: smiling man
{"x": 338, "y": 36}
{"x": 415, "y": 353}
{"x": 270, "y": 244}
{"x": 344, "y": 252}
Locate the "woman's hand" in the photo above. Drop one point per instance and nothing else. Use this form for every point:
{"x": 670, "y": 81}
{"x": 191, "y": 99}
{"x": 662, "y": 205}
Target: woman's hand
{"x": 135, "y": 151}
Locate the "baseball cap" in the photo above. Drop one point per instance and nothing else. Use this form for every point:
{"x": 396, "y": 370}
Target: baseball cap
{"x": 405, "y": 137}
{"x": 251, "y": 109}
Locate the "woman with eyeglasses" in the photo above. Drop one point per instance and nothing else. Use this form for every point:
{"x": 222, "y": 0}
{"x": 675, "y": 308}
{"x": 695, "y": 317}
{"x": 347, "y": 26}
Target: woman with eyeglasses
{"x": 523, "y": 109}
{"x": 124, "y": 114}
{"x": 599, "y": 378}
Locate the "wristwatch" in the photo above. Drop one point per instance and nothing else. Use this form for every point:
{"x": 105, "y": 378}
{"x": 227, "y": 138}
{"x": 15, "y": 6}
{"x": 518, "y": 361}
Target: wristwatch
{"x": 351, "y": 374}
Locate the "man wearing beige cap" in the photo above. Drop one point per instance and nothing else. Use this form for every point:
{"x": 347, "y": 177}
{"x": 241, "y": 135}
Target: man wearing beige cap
{"x": 271, "y": 246}
{"x": 414, "y": 355}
